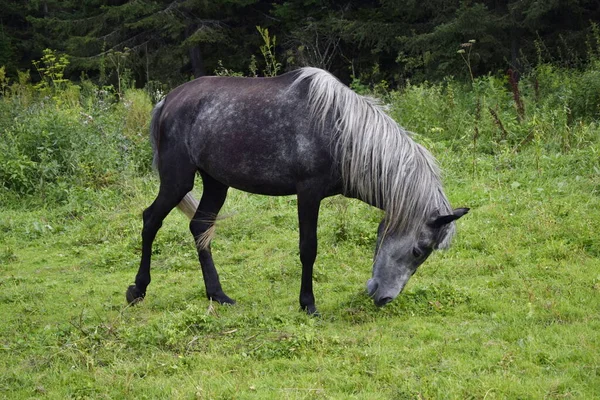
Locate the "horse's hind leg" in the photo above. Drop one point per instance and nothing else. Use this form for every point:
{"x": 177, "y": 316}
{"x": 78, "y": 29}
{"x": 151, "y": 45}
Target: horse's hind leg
{"x": 213, "y": 197}
{"x": 173, "y": 188}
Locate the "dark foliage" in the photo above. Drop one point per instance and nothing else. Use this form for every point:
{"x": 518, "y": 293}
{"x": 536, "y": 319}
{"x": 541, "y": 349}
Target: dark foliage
{"x": 374, "y": 40}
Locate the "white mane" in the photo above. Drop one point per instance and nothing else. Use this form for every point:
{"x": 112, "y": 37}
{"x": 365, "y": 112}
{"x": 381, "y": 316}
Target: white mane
{"x": 380, "y": 163}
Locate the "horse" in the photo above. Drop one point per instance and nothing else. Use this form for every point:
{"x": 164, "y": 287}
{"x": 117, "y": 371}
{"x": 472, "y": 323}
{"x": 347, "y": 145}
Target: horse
{"x": 304, "y": 133}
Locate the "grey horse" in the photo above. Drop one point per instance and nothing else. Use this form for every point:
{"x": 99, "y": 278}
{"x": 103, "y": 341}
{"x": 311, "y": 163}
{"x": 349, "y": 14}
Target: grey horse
{"x": 302, "y": 133}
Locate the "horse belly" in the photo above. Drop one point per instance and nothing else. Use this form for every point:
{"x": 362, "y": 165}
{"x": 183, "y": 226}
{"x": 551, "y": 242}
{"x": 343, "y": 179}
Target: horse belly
{"x": 259, "y": 163}
{"x": 265, "y": 179}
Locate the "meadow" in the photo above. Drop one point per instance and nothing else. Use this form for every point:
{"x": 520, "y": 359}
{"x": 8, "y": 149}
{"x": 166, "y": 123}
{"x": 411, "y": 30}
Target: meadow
{"x": 512, "y": 310}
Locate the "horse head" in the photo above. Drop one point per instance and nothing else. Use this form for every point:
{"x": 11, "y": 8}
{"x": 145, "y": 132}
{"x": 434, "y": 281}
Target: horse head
{"x": 398, "y": 255}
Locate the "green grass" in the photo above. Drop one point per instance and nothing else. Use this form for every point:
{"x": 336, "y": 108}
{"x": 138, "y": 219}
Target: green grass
{"x": 512, "y": 310}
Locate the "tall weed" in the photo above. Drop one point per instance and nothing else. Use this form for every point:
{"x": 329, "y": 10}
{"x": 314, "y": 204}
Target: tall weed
{"x": 553, "y": 107}
{"x": 136, "y": 108}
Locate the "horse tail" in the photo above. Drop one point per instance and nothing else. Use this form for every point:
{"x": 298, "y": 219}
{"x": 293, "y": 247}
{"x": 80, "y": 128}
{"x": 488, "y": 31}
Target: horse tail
{"x": 155, "y": 131}
{"x": 189, "y": 204}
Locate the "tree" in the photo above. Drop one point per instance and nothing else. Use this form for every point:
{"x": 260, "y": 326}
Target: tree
{"x": 17, "y": 44}
{"x": 167, "y": 39}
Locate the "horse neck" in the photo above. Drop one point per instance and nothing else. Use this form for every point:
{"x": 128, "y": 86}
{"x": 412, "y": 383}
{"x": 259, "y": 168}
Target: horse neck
{"x": 378, "y": 161}
{"x": 398, "y": 176}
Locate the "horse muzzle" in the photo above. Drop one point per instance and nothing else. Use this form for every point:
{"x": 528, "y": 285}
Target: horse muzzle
{"x": 379, "y": 300}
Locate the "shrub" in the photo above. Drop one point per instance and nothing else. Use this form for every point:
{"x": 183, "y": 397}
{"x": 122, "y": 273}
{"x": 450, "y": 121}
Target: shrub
{"x": 136, "y": 108}
{"x": 48, "y": 145}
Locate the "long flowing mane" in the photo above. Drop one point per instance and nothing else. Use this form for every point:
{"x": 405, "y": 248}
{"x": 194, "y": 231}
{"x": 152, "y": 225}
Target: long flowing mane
{"x": 380, "y": 163}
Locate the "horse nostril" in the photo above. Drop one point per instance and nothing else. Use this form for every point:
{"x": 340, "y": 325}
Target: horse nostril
{"x": 382, "y": 302}
{"x": 372, "y": 287}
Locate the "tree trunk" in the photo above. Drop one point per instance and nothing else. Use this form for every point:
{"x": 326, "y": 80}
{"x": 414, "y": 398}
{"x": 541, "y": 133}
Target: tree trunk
{"x": 197, "y": 61}
{"x": 515, "y": 47}
{"x": 195, "y": 55}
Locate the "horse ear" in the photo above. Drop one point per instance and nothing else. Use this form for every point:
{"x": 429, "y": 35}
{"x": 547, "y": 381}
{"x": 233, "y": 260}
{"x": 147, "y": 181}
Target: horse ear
{"x": 459, "y": 212}
{"x": 442, "y": 220}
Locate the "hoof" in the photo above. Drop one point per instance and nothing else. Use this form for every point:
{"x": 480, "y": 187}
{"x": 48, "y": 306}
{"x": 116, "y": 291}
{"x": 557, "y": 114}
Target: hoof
{"x": 311, "y": 310}
{"x": 134, "y": 295}
{"x": 221, "y": 298}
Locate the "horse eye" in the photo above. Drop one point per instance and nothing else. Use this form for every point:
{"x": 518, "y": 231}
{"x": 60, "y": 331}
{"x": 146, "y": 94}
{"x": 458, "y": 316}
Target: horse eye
{"x": 416, "y": 252}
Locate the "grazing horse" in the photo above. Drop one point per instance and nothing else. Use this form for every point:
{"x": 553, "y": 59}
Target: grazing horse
{"x": 302, "y": 133}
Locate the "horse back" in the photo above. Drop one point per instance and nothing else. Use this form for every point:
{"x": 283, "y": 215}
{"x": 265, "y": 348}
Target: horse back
{"x": 254, "y": 134}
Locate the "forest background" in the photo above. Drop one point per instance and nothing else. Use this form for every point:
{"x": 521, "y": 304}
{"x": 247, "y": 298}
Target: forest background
{"x": 373, "y": 40}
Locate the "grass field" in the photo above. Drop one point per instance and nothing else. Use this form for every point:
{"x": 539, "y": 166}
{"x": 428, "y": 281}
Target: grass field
{"x": 512, "y": 310}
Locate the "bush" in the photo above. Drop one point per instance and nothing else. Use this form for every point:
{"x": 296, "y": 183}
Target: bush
{"x": 52, "y": 143}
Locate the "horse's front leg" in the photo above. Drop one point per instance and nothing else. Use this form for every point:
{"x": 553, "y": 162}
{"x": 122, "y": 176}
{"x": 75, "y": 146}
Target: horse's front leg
{"x": 308, "y": 215}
